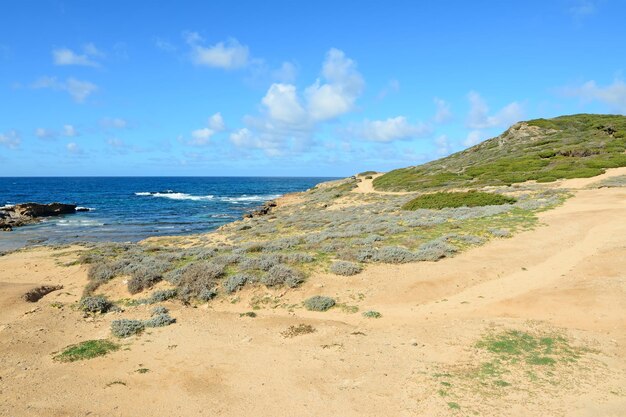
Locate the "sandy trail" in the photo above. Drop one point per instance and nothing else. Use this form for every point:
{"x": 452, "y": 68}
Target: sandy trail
{"x": 567, "y": 274}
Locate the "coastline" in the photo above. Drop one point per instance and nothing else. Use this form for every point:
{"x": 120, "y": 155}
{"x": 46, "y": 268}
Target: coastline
{"x": 534, "y": 281}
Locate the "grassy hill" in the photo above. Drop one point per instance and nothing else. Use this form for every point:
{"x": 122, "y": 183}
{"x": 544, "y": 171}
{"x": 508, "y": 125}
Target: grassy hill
{"x": 577, "y": 146}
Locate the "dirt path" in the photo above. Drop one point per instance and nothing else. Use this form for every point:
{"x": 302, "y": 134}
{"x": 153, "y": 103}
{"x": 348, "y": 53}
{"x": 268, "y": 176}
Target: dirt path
{"x": 567, "y": 274}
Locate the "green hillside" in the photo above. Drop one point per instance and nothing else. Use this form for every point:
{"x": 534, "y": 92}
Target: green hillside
{"x": 576, "y": 146}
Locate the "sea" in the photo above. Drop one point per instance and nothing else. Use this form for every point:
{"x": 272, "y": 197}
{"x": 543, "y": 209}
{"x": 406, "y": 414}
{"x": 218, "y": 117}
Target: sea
{"x": 129, "y": 209}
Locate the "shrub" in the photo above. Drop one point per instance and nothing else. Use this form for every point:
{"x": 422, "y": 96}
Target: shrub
{"x": 198, "y": 280}
{"x": 101, "y": 272}
{"x": 457, "y": 199}
{"x": 345, "y": 268}
{"x": 434, "y": 250}
{"x": 97, "y": 304}
{"x": 235, "y": 282}
{"x": 298, "y": 258}
{"x": 371, "y": 314}
{"x": 394, "y": 255}
{"x": 161, "y": 295}
{"x": 319, "y": 303}
{"x": 500, "y": 232}
{"x": 125, "y": 327}
{"x": 159, "y": 320}
{"x": 368, "y": 177}
{"x": 159, "y": 310}
{"x": 282, "y": 275}
{"x": 86, "y": 350}
{"x": 207, "y": 294}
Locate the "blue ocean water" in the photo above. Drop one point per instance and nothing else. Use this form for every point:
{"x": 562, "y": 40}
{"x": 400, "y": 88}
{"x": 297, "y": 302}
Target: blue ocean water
{"x": 134, "y": 208}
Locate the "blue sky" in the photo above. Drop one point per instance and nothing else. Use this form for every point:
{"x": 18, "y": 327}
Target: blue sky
{"x": 281, "y": 88}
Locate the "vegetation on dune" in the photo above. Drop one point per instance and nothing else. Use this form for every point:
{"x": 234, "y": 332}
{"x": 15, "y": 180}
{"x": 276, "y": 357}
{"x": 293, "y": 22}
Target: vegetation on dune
{"x": 577, "y": 146}
{"x": 319, "y": 303}
{"x": 86, "y": 350}
{"x": 457, "y": 199}
{"x": 510, "y": 362}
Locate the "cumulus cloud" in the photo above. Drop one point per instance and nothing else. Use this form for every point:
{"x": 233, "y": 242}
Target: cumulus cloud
{"x": 10, "y": 139}
{"x": 613, "y": 95}
{"x": 43, "y": 133}
{"x": 479, "y": 117}
{"x": 115, "y": 143}
{"x": 216, "y": 122}
{"x": 73, "y": 148}
{"x": 226, "y": 55}
{"x": 283, "y": 105}
{"x": 473, "y": 138}
{"x": 202, "y": 136}
{"x": 77, "y": 89}
{"x": 69, "y": 131}
{"x": 444, "y": 147}
{"x": 289, "y": 116}
{"x": 443, "y": 112}
{"x": 66, "y": 56}
{"x": 286, "y": 73}
{"x": 344, "y": 84}
{"x": 113, "y": 123}
{"x": 389, "y": 130}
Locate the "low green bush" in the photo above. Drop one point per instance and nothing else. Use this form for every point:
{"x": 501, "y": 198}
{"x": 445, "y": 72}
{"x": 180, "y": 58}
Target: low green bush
{"x": 442, "y": 200}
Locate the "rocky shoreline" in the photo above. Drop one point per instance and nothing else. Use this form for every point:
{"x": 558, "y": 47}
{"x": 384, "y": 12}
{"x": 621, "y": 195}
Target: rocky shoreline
{"x": 29, "y": 213}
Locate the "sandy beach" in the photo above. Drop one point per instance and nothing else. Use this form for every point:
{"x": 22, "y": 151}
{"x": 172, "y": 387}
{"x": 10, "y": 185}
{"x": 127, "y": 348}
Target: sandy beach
{"x": 565, "y": 276}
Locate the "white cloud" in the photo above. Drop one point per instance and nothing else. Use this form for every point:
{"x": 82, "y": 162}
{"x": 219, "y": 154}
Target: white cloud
{"x": 479, "y": 117}
{"x": 444, "y": 147}
{"x": 391, "y": 129}
{"x": 473, "y": 137}
{"x": 201, "y": 137}
{"x": 69, "y": 131}
{"x": 43, "y": 133}
{"x": 77, "y": 89}
{"x": 113, "y": 123}
{"x": 73, "y": 148}
{"x": 66, "y": 56}
{"x": 443, "y": 113}
{"x": 80, "y": 90}
{"x": 216, "y": 122}
{"x": 164, "y": 45}
{"x": 115, "y": 143}
{"x": 289, "y": 117}
{"x": 286, "y": 73}
{"x": 283, "y": 104}
{"x": 226, "y": 55}
{"x": 10, "y": 139}
{"x": 338, "y": 95}
{"x": 242, "y": 137}
{"x": 582, "y": 8}
{"x": 613, "y": 95}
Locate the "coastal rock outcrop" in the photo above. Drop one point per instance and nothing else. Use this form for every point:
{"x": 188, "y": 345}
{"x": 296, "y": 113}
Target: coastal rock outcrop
{"x": 264, "y": 210}
{"x": 28, "y": 213}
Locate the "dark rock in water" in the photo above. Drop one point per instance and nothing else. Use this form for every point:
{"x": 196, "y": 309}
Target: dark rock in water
{"x": 264, "y": 210}
{"x": 28, "y": 213}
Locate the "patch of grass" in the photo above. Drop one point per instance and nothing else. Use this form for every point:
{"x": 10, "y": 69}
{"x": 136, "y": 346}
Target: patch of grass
{"x": 371, "y": 314}
{"x": 251, "y": 314}
{"x": 142, "y": 370}
{"x": 454, "y": 406}
{"x": 86, "y": 350}
{"x": 442, "y": 200}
